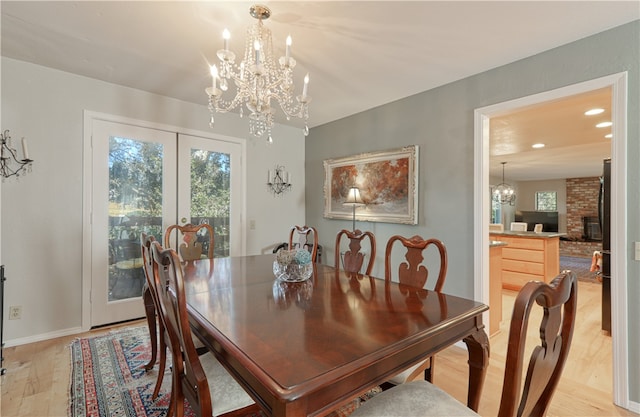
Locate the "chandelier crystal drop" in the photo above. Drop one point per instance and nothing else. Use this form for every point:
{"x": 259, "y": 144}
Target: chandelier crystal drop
{"x": 258, "y": 81}
{"x": 503, "y": 193}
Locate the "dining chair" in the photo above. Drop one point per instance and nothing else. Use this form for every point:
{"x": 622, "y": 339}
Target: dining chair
{"x": 152, "y": 313}
{"x": 307, "y": 237}
{"x": 192, "y": 240}
{"x": 558, "y": 301}
{"x": 415, "y": 274}
{"x": 353, "y": 259}
{"x": 201, "y": 380}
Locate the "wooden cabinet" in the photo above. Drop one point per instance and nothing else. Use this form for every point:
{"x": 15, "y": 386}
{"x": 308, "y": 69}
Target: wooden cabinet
{"x": 495, "y": 288}
{"x": 529, "y": 258}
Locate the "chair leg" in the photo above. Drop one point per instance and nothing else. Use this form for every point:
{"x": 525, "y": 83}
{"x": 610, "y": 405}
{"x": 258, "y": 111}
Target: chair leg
{"x": 163, "y": 364}
{"x": 429, "y": 372}
{"x": 150, "y": 312}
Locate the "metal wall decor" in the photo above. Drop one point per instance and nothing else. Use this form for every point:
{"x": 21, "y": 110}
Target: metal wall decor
{"x": 10, "y": 164}
{"x": 278, "y": 180}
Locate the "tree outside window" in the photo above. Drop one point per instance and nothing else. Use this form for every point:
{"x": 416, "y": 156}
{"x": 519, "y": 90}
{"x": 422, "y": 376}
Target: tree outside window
{"x": 546, "y": 201}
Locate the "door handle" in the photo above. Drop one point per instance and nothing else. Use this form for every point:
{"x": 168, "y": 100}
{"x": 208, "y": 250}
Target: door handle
{"x": 183, "y": 220}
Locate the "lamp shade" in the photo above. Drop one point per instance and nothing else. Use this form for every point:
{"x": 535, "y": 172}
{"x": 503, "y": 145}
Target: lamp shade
{"x": 354, "y": 199}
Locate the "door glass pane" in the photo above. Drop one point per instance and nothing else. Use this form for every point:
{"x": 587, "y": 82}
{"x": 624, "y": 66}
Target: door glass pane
{"x": 211, "y": 196}
{"x": 135, "y": 206}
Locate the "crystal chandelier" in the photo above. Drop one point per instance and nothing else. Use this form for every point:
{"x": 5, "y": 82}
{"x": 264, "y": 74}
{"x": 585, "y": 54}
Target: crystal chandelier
{"x": 503, "y": 193}
{"x": 257, "y": 81}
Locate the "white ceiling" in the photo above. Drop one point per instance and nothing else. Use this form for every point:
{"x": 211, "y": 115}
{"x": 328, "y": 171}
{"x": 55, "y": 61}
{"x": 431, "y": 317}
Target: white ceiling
{"x": 359, "y": 54}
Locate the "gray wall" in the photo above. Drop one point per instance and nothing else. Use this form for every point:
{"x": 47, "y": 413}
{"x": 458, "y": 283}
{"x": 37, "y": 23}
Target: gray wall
{"x": 441, "y": 120}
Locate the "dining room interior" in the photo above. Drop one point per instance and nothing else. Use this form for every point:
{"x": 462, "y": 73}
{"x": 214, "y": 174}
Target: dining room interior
{"x": 414, "y": 127}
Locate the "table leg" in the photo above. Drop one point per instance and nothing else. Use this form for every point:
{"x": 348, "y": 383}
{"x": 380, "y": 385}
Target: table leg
{"x": 478, "y": 346}
{"x": 150, "y": 311}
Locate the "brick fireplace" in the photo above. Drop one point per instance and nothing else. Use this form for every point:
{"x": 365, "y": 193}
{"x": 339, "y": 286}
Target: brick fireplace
{"x": 582, "y": 209}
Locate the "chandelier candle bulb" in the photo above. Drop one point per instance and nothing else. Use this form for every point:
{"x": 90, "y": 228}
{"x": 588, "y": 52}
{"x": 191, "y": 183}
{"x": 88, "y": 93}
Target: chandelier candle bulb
{"x": 288, "y": 50}
{"x": 226, "y": 35}
{"x": 256, "y": 46}
{"x": 305, "y": 87}
{"x": 214, "y": 75}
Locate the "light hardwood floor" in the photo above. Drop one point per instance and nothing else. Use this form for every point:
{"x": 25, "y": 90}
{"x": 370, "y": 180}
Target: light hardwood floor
{"x": 37, "y": 379}
{"x": 586, "y": 386}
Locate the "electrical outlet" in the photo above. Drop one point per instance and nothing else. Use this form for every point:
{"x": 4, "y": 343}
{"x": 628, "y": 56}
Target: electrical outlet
{"x": 15, "y": 312}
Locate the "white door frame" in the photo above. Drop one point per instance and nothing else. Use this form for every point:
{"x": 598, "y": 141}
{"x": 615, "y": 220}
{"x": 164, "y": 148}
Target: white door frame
{"x": 619, "y": 238}
{"x": 87, "y": 170}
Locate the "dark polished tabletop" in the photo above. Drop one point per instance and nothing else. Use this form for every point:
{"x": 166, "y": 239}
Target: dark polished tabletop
{"x": 306, "y": 348}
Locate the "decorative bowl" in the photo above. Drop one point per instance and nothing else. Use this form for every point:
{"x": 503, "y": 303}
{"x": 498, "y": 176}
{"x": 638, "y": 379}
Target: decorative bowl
{"x": 292, "y": 272}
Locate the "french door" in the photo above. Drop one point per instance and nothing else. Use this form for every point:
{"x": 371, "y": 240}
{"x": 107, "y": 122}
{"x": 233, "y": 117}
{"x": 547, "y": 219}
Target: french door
{"x": 143, "y": 180}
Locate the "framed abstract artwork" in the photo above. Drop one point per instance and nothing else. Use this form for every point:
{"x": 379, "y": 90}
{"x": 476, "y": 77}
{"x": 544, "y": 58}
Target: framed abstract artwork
{"x": 388, "y": 184}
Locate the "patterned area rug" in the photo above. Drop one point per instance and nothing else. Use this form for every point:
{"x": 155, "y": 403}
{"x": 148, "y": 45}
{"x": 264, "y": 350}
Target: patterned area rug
{"x": 581, "y": 266}
{"x": 108, "y": 378}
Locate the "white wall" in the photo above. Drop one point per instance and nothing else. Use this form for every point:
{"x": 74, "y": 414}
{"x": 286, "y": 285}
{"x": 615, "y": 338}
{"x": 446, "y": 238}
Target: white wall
{"x": 42, "y": 212}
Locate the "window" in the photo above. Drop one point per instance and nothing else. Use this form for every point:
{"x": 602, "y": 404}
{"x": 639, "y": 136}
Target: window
{"x": 546, "y": 201}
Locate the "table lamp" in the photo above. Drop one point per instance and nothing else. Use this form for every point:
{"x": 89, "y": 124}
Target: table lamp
{"x": 354, "y": 200}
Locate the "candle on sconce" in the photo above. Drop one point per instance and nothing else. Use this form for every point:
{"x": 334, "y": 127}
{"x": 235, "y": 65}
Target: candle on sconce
{"x": 225, "y": 36}
{"x": 305, "y": 87}
{"x": 269, "y": 177}
{"x": 25, "y": 149}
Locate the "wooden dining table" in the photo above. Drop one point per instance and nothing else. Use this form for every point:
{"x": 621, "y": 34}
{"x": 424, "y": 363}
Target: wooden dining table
{"x": 307, "y": 348}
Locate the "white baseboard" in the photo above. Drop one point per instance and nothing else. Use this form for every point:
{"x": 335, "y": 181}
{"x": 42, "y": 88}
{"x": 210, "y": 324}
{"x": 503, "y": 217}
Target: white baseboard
{"x": 43, "y": 336}
{"x": 634, "y": 406}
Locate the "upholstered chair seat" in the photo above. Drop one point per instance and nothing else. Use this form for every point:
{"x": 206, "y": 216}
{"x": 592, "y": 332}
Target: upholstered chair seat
{"x": 413, "y": 399}
{"x": 226, "y": 394}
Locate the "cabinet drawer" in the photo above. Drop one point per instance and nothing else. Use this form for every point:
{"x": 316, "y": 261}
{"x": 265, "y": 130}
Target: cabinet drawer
{"x": 522, "y": 254}
{"x": 524, "y": 243}
{"x": 520, "y": 266}
{"x": 515, "y": 280}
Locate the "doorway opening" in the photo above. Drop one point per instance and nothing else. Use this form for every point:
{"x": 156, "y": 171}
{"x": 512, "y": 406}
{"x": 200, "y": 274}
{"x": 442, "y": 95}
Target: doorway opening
{"x": 482, "y": 207}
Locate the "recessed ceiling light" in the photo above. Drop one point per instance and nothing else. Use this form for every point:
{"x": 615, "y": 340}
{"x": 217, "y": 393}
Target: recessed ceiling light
{"x": 593, "y": 112}
{"x": 604, "y": 124}
{"x": 537, "y": 145}
{"x": 609, "y": 136}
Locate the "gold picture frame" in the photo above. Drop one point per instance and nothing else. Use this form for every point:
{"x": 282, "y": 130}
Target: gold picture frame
{"x": 388, "y": 184}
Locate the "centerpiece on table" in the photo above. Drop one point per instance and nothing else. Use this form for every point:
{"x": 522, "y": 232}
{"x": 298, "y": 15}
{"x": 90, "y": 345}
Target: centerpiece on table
{"x": 293, "y": 265}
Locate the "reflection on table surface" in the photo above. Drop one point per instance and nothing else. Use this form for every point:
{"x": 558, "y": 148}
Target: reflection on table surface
{"x": 323, "y": 339}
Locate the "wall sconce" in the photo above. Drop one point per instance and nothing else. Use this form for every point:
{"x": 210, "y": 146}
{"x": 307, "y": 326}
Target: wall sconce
{"x": 9, "y": 156}
{"x": 278, "y": 181}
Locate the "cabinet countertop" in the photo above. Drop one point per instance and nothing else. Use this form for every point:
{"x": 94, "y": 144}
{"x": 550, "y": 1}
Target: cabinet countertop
{"x": 541, "y": 235}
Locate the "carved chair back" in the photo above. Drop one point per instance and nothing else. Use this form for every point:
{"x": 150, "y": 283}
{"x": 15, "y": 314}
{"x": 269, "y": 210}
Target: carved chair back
{"x": 558, "y": 301}
{"x": 304, "y": 237}
{"x": 189, "y": 379}
{"x": 411, "y": 271}
{"x": 194, "y": 241}
{"x": 353, "y": 259}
